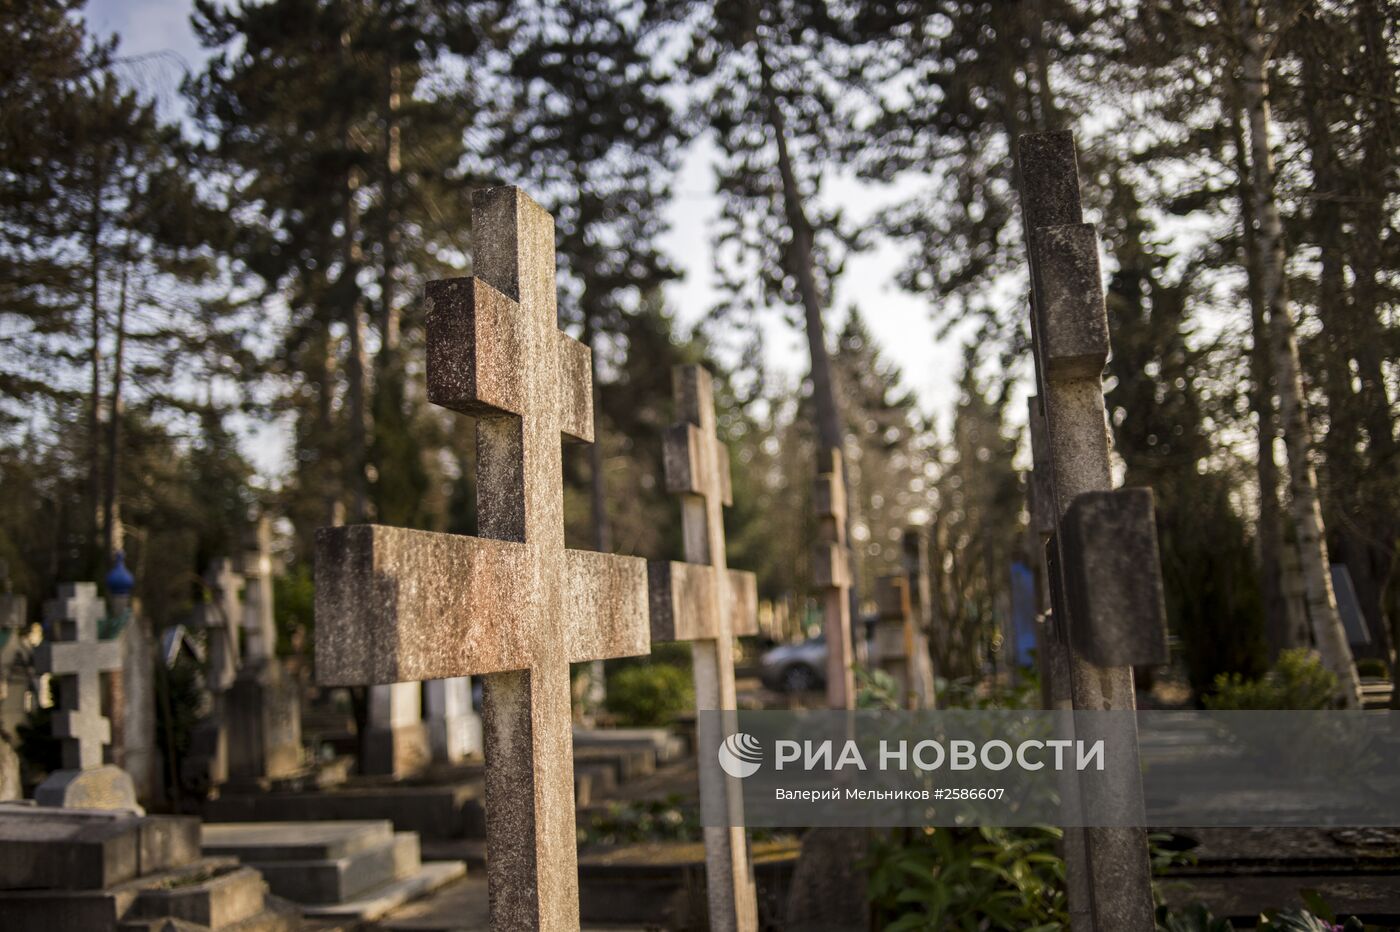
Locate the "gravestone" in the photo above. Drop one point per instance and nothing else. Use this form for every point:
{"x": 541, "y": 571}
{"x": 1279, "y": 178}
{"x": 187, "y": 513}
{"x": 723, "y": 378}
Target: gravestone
{"x": 396, "y": 742}
{"x": 914, "y": 556}
{"x": 513, "y": 605}
{"x": 352, "y": 871}
{"x": 262, "y": 708}
{"x": 14, "y": 615}
{"x": 704, "y": 602}
{"x": 454, "y": 728}
{"x": 1103, "y": 568}
{"x": 74, "y": 656}
{"x": 220, "y": 616}
{"x": 132, "y": 695}
{"x": 104, "y": 871}
{"x": 895, "y": 649}
{"x": 831, "y": 572}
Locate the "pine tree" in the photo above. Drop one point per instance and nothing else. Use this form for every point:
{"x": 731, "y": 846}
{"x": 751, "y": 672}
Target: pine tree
{"x": 589, "y": 135}
{"x": 342, "y": 145}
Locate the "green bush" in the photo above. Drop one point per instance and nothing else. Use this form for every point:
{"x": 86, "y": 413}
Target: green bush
{"x": 620, "y": 823}
{"x": 1372, "y": 667}
{"x": 649, "y": 694}
{"x": 1316, "y": 917}
{"x": 965, "y": 878}
{"x": 1297, "y": 681}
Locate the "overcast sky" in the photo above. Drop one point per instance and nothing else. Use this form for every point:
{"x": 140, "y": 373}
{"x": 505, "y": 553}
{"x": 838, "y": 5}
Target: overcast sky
{"x": 900, "y": 322}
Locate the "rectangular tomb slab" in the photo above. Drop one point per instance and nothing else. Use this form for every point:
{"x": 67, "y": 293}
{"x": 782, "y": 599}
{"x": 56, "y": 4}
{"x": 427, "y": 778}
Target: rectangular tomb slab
{"x": 294, "y": 841}
{"x": 43, "y": 848}
{"x": 338, "y": 861}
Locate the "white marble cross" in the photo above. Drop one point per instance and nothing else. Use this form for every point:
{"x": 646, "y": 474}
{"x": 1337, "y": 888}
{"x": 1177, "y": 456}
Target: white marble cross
{"x": 512, "y": 605}
{"x": 704, "y": 602}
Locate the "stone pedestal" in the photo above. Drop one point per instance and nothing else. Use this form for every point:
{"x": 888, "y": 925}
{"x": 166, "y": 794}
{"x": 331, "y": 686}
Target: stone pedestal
{"x": 263, "y": 723}
{"x": 106, "y": 787}
{"x": 454, "y": 728}
{"x": 396, "y": 741}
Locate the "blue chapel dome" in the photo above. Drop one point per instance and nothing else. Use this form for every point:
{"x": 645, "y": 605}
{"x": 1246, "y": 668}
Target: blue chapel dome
{"x": 119, "y": 579}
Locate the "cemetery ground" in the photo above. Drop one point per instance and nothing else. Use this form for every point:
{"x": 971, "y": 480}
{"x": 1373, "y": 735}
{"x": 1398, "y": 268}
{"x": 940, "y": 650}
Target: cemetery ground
{"x": 401, "y": 529}
{"x": 375, "y": 790}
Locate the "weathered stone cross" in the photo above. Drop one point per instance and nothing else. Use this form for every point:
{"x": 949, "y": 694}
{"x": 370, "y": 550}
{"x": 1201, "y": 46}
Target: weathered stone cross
{"x": 75, "y": 656}
{"x": 831, "y": 572}
{"x": 223, "y": 617}
{"x": 704, "y": 602}
{"x": 513, "y": 605}
{"x": 1104, "y": 569}
{"x": 78, "y": 659}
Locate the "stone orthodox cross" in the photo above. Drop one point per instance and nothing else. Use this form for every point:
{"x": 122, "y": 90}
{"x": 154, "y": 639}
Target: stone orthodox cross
{"x": 704, "y": 602}
{"x": 512, "y": 605}
{"x": 75, "y": 656}
{"x": 831, "y": 571}
{"x": 1104, "y": 570}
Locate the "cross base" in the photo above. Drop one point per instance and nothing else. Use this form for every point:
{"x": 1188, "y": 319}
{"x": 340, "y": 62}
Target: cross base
{"x": 105, "y": 787}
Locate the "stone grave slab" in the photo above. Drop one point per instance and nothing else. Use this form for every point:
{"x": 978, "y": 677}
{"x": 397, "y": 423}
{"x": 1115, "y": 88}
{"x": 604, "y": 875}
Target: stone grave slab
{"x": 359, "y": 869}
{"x": 106, "y": 871}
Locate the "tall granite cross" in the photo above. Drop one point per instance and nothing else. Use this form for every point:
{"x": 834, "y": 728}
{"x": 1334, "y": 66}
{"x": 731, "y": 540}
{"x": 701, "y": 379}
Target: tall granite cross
{"x": 1105, "y": 573}
{"x": 831, "y": 571}
{"x": 77, "y": 658}
{"x": 704, "y": 602}
{"x": 512, "y": 605}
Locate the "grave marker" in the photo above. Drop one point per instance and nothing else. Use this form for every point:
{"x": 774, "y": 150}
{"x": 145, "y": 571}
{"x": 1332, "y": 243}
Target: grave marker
{"x": 708, "y": 604}
{"x": 512, "y": 605}
{"x": 1111, "y": 623}
{"x": 831, "y": 571}
{"x": 894, "y": 648}
{"x": 75, "y": 657}
{"x": 263, "y": 706}
{"x": 454, "y": 728}
{"x": 915, "y": 560}
{"x": 221, "y": 618}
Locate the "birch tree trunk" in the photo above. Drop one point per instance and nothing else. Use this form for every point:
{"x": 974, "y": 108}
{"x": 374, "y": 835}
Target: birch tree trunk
{"x": 1328, "y": 635}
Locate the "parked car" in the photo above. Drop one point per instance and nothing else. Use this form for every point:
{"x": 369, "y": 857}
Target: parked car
{"x": 795, "y": 668}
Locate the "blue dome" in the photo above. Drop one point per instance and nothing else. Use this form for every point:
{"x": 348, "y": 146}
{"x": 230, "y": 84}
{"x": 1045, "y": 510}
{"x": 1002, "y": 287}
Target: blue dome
{"x": 119, "y": 580}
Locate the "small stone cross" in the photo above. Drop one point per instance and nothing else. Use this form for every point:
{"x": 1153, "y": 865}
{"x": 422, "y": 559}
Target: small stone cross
{"x": 831, "y": 572}
{"x": 512, "y": 605}
{"x": 222, "y": 617}
{"x": 704, "y": 602}
{"x": 74, "y": 655}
